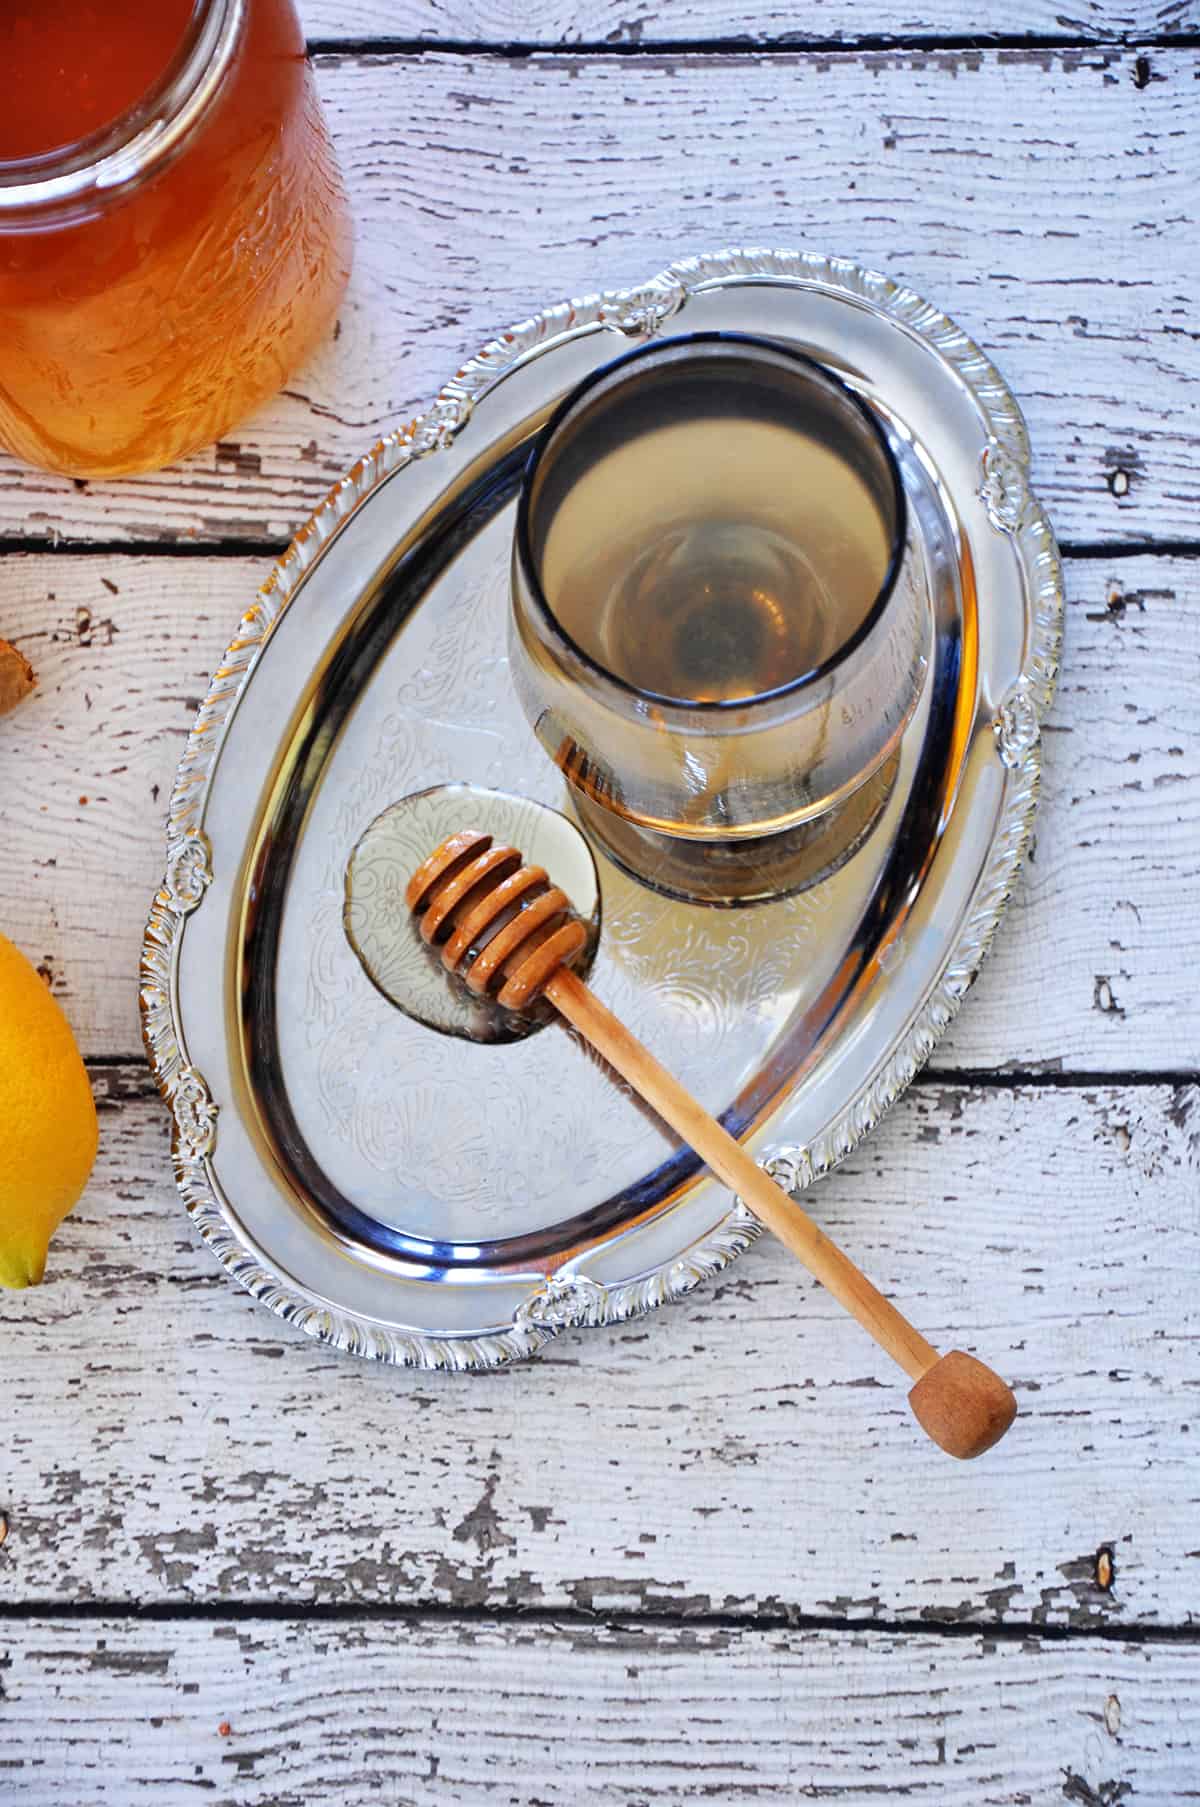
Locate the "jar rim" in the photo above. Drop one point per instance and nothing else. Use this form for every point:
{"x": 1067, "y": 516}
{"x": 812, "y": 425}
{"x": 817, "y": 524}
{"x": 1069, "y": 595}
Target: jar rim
{"x": 139, "y": 141}
{"x": 747, "y": 344}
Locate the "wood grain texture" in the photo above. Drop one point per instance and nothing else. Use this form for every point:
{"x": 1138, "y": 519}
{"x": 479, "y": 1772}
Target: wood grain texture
{"x": 1085, "y": 974}
{"x": 748, "y": 1451}
{"x": 590, "y": 1538}
{"x": 640, "y": 22}
{"x": 1045, "y": 199}
{"x": 283, "y": 1714}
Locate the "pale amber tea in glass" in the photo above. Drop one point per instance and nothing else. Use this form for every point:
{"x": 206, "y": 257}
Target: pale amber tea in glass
{"x": 720, "y": 623}
{"x": 174, "y": 236}
{"x": 684, "y": 567}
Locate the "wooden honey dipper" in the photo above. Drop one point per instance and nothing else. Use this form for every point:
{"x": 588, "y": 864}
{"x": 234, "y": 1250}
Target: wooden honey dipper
{"x": 511, "y": 933}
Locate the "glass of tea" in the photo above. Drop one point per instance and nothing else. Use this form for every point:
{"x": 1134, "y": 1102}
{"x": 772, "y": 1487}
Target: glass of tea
{"x": 174, "y": 236}
{"x": 720, "y": 623}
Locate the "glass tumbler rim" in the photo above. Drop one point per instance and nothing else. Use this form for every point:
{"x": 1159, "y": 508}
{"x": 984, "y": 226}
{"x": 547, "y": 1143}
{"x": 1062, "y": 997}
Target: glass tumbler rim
{"x": 523, "y": 545}
{"x": 139, "y": 141}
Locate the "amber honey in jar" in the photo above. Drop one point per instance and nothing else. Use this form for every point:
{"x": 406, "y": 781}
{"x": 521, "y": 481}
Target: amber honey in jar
{"x": 174, "y": 236}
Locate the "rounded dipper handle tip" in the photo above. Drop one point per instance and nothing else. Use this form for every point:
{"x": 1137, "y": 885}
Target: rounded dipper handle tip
{"x": 962, "y": 1405}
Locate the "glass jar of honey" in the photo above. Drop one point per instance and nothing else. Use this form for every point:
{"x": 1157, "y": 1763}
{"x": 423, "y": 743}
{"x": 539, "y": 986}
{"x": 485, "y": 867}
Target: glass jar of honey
{"x": 174, "y": 236}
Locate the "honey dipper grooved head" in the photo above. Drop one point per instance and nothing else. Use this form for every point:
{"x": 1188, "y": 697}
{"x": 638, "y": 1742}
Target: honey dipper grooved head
{"x": 498, "y": 922}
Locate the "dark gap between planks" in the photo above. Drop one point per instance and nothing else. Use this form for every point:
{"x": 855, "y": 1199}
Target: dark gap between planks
{"x": 1001, "y": 1079}
{"x": 791, "y": 45}
{"x": 375, "y": 1613}
{"x": 29, "y": 545}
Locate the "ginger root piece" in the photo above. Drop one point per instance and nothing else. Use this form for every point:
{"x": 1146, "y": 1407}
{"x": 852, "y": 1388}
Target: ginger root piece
{"x": 16, "y": 677}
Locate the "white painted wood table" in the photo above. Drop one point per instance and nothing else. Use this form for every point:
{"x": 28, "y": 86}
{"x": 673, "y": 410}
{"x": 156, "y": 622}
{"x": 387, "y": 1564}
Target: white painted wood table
{"x": 707, "y": 1557}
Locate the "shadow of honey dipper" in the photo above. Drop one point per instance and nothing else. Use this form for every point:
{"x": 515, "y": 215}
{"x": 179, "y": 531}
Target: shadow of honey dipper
{"x": 511, "y": 934}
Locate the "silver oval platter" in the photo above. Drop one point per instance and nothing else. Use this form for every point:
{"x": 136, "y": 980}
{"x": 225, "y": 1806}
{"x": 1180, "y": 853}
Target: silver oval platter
{"x": 425, "y": 1199}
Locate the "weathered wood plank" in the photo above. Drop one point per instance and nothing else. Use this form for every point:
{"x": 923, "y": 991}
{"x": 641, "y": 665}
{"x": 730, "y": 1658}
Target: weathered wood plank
{"x": 167, "y": 1439}
{"x": 1096, "y": 943}
{"x": 1047, "y": 200}
{"x": 1086, "y": 970}
{"x": 286, "y": 1713}
{"x": 657, "y": 21}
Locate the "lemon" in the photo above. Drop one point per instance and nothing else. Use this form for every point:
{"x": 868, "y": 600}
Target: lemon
{"x": 47, "y": 1120}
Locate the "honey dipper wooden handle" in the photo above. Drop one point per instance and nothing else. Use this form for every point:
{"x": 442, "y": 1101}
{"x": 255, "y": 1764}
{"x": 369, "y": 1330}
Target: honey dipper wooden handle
{"x": 961, "y": 1404}
{"x": 512, "y": 934}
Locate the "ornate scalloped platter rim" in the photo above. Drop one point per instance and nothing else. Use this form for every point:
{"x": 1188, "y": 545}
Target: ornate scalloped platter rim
{"x": 568, "y": 1295}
